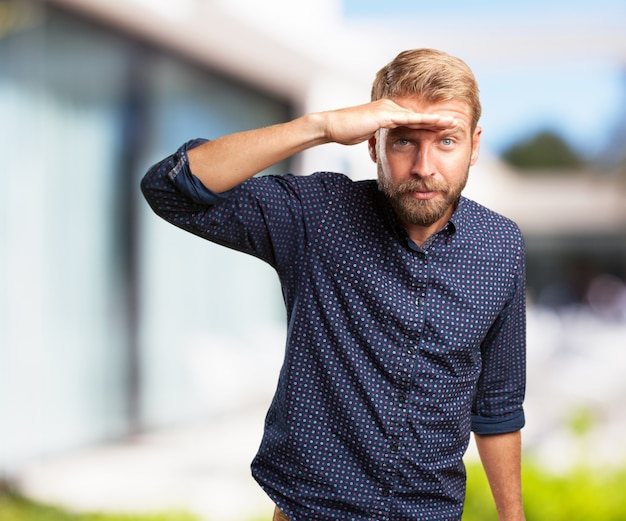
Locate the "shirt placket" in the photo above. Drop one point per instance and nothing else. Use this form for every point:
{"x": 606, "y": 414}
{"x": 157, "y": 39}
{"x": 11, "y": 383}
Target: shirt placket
{"x": 397, "y": 444}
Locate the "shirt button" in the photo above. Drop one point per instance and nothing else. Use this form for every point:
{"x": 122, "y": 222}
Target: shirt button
{"x": 411, "y": 350}
{"x": 419, "y": 301}
{"x": 395, "y": 446}
{"x": 402, "y": 398}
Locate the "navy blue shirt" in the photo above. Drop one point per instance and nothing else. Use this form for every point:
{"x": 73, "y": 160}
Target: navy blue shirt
{"x": 394, "y": 351}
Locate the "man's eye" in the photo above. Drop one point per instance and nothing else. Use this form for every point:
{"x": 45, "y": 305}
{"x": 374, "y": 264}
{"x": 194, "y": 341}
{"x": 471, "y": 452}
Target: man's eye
{"x": 446, "y": 141}
{"x": 402, "y": 142}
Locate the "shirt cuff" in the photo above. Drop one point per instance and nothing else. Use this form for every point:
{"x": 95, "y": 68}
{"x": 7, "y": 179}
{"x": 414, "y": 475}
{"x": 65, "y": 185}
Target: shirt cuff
{"x": 187, "y": 183}
{"x": 501, "y": 425}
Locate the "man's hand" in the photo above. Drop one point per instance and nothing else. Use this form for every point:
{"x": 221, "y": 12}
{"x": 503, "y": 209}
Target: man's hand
{"x": 354, "y": 125}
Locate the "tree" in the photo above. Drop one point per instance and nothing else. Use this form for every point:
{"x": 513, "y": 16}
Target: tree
{"x": 546, "y": 150}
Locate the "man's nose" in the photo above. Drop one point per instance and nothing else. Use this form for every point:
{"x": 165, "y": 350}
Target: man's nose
{"x": 423, "y": 165}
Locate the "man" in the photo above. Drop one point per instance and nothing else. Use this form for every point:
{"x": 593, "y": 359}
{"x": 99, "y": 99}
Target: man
{"x": 405, "y": 301}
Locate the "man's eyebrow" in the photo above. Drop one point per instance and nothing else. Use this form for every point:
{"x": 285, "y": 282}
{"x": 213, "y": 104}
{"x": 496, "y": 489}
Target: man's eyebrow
{"x": 459, "y": 127}
{"x": 399, "y": 132}
{"x": 407, "y": 131}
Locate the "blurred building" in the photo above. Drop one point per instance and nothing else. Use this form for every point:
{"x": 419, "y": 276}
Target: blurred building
{"x": 105, "y": 309}
{"x": 574, "y": 225}
{"x": 112, "y": 322}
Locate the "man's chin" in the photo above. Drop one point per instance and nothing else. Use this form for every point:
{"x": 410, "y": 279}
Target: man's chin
{"x": 418, "y": 212}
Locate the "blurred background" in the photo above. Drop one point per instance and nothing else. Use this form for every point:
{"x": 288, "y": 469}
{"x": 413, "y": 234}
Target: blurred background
{"x": 137, "y": 361}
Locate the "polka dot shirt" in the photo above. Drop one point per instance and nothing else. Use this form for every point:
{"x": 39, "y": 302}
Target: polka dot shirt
{"x": 394, "y": 352}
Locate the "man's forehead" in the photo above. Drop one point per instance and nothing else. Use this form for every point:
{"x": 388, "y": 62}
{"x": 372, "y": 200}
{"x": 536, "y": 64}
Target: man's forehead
{"x": 459, "y": 129}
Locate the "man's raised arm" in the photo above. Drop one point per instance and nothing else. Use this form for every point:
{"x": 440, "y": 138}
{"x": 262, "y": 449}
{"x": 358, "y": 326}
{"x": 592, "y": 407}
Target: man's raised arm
{"x": 228, "y": 161}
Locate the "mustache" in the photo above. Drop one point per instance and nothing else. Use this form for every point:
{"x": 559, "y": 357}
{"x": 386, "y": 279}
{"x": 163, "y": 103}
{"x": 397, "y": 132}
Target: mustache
{"x": 421, "y": 185}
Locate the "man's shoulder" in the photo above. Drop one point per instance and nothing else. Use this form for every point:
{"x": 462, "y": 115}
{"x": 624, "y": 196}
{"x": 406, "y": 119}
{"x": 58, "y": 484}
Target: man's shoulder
{"x": 335, "y": 178}
{"x": 332, "y": 184}
{"x": 480, "y": 219}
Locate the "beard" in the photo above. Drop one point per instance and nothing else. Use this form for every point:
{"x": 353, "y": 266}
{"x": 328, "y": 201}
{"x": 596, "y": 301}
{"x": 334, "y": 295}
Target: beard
{"x": 421, "y": 212}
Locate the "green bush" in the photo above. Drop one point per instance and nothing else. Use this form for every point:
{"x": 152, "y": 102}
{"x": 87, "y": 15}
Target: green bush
{"x": 479, "y": 505}
{"x": 16, "y": 508}
{"x": 582, "y": 494}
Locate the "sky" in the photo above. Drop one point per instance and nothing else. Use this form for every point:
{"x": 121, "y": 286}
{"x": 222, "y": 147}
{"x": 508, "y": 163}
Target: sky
{"x": 584, "y": 100}
{"x": 478, "y": 7}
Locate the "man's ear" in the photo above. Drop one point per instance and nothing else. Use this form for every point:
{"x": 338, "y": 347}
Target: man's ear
{"x": 475, "y": 145}
{"x": 371, "y": 145}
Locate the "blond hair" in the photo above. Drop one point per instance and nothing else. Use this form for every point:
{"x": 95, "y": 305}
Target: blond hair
{"x": 431, "y": 75}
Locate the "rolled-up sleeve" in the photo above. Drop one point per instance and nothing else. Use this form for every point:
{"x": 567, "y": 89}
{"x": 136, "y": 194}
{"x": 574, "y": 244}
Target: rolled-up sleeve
{"x": 261, "y": 217}
{"x": 170, "y": 183}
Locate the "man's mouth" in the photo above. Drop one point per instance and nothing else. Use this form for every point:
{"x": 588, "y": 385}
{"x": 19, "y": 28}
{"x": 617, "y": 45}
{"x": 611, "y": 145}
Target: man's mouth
{"x": 423, "y": 195}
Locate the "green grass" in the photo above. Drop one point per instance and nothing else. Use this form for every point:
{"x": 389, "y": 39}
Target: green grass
{"x": 582, "y": 494}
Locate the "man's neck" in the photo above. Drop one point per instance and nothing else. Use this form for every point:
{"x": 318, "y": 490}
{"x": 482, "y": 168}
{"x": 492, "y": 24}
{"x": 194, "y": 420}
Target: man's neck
{"x": 420, "y": 234}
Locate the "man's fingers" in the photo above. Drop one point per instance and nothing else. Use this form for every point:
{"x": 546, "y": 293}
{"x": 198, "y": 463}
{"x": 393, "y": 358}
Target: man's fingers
{"x": 416, "y": 120}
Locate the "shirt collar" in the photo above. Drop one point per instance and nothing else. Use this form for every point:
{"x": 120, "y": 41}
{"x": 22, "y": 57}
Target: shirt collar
{"x": 460, "y": 215}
